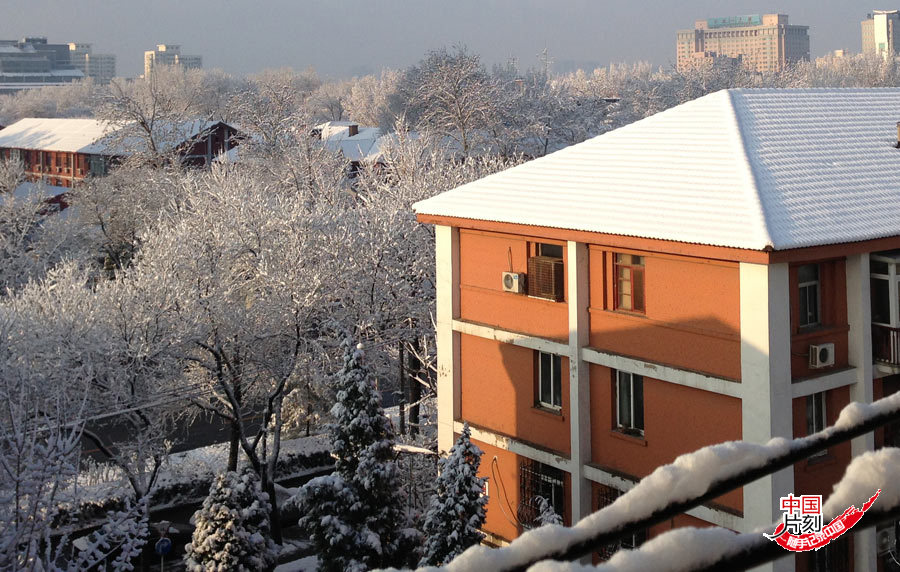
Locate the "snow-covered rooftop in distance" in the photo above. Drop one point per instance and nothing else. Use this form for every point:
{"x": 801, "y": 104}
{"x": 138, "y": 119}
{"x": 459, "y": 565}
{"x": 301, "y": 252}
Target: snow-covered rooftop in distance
{"x": 72, "y": 135}
{"x": 82, "y": 135}
{"x": 743, "y": 168}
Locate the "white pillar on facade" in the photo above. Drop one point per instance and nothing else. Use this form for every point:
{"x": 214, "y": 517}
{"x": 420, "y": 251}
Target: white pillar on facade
{"x": 578, "y": 300}
{"x": 446, "y": 240}
{"x": 859, "y": 316}
{"x": 766, "y": 410}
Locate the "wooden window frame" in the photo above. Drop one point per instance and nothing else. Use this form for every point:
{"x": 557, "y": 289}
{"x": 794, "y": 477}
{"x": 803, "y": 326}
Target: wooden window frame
{"x": 636, "y": 270}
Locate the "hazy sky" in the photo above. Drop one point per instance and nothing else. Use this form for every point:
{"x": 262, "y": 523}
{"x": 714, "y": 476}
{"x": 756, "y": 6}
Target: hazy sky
{"x": 341, "y": 38}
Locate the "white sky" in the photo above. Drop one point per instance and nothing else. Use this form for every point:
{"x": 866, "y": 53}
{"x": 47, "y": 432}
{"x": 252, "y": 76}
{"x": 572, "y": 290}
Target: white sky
{"x": 341, "y": 38}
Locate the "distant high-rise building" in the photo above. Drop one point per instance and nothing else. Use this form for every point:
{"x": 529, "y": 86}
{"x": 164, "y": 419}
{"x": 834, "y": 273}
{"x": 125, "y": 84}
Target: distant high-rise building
{"x": 100, "y": 67}
{"x": 881, "y": 32}
{"x": 32, "y": 62}
{"x": 170, "y": 55}
{"x": 762, "y": 42}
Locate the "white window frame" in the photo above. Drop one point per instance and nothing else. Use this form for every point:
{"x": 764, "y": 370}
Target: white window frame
{"x": 623, "y": 377}
{"x": 818, "y": 403}
{"x": 555, "y": 380}
{"x": 803, "y": 288}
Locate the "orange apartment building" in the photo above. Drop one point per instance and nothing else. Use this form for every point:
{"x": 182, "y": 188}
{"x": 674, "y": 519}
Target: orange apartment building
{"x": 723, "y": 270}
{"x": 62, "y": 152}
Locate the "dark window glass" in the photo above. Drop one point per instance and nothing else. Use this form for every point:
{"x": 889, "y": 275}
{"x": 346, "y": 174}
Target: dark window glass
{"x": 878, "y": 267}
{"x": 552, "y": 250}
{"x": 881, "y": 300}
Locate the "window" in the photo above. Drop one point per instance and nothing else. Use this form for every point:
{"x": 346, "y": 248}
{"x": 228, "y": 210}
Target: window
{"x": 606, "y": 496}
{"x": 550, "y": 250}
{"x": 815, "y": 416}
{"x": 546, "y": 272}
{"x": 630, "y": 403}
{"x": 549, "y": 380}
{"x": 808, "y": 277}
{"x": 536, "y": 481}
{"x": 629, "y": 284}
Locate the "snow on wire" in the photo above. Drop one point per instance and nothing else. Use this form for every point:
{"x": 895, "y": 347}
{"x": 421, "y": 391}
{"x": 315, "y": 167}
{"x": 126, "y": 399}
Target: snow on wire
{"x": 695, "y": 478}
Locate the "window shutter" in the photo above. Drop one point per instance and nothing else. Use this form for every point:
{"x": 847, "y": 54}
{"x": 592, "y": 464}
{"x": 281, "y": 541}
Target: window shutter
{"x": 545, "y": 277}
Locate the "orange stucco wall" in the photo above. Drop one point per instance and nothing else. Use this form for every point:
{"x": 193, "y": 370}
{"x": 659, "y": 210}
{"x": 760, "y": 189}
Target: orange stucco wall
{"x": 692, "y": 313}
{"x": 483, "y": 257}
{"x": 817, "y": 476}
{"x": 502, "y": 470}
{"x": 498, "y": 393}
{"x": 677, "y": 420}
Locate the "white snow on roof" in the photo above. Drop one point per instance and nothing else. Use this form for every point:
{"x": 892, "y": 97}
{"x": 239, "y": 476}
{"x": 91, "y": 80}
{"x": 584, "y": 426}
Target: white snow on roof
{"x": 86, "y": 135}
{"x": 743, "y": 168}
{"x": 72, "y": 135}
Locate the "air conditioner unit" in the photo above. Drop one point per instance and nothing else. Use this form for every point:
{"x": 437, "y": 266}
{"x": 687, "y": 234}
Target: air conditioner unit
{"x": 514, "y": 282}
{"x": 885, "y": 541}
{"x": 821, "y": 355}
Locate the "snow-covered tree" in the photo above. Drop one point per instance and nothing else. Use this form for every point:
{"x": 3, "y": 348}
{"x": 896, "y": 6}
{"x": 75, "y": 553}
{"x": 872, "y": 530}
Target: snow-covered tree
{"x": 456, "y": 513}
{"x": 355, "y": 516}
{"x": 231, "y": 529}
{"x": 546, "y": 513}
{"x": 451, "y": 93}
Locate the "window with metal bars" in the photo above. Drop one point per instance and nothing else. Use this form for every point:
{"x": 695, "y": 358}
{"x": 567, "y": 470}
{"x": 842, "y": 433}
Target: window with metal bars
{"x": 546, "y": 273}
{"x": 538, "y": 480}
{"x": 605, "y": 497}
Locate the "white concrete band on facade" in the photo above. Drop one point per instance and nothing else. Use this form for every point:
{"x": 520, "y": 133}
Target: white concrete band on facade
{"x": 708, "y": 514}
{"x": 648, "y": 369}
{"x": 827, "y": 382}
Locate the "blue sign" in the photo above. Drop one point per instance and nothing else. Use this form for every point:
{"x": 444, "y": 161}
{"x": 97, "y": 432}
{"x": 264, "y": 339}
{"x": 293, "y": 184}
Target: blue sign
{"x": 163, "y": 546}
{"x": 734, "y": 21}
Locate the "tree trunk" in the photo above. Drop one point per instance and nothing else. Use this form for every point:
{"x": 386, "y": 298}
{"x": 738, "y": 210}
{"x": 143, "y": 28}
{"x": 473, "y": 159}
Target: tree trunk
{"x": 275, "y": 514}
{"x": 234, "y": 446}
{"x": 415, "y": 388}
{"x": 402, "y": 404}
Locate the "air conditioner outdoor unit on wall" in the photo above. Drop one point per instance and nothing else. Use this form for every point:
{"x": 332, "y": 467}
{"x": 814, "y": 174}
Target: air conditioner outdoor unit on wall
{"x": 514, "y": 282}
{"x": 885, "y": 541}
{"x": 821, "y": 355}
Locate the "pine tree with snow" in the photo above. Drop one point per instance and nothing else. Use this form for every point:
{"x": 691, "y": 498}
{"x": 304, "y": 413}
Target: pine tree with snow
{"x": 456, "y": 512}
{"x": 546, "y": 513}
{"x": 355, "y": 516}
{"x": 231, "y": 529}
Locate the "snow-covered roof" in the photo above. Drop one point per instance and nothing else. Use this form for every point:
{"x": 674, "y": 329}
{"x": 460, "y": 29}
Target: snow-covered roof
{"x": 72, "y": 135}
{"x": 743, "y": 168}
{"x": 83, "y": 135}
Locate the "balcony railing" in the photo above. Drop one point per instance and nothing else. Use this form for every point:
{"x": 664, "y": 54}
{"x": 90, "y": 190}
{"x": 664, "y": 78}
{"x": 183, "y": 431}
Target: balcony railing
{"x": 886, "y": 344}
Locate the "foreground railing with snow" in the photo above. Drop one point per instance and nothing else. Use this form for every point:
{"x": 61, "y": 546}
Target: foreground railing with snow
{"x": 699, "y": 477}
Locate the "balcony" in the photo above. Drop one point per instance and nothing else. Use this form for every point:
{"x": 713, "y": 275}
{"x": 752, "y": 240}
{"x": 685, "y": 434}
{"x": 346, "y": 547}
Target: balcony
{"x": 886, "y": 344}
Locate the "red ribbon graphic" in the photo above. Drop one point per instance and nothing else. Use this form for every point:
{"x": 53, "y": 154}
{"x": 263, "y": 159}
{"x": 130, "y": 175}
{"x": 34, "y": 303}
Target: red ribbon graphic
{"x": 832, "y": 530}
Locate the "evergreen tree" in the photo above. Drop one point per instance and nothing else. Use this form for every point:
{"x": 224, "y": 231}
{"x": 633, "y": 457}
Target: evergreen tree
{"x": 456, "y": 512}
{"x": 354, "y": 516}
{"x": 546, "y": 513}
{"x": 232, "y": 527}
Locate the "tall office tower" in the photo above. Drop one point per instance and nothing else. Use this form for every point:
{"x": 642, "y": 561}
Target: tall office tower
{"x": 101, "y": 67}
{"x": 760, "y": 42}
{"x": 880, "y": 31}
{"x": 169, "y": 54}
